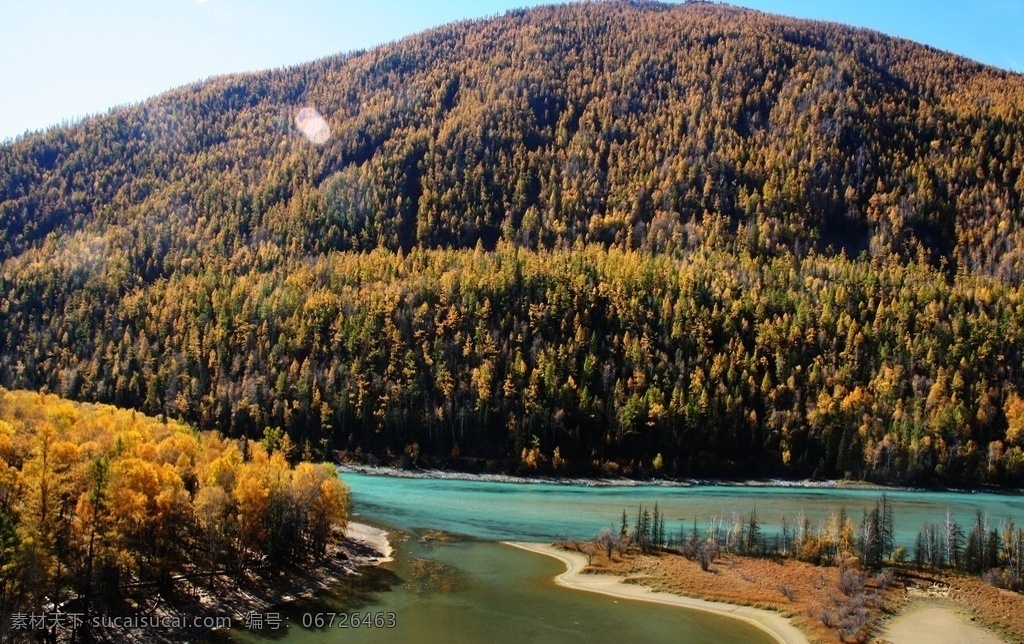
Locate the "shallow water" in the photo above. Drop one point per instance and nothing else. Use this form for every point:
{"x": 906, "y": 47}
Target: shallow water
{"x": 476, "y": 590}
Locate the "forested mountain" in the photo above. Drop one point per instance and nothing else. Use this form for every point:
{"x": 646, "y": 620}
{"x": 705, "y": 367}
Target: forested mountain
{"x": 635, "y": 237}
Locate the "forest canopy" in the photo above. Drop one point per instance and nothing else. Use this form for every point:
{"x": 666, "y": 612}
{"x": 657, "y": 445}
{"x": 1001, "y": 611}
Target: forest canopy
{"x": 96, "y": 499}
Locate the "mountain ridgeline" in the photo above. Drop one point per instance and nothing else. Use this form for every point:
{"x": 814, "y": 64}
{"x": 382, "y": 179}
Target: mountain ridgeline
{"x": 685, "y": 240}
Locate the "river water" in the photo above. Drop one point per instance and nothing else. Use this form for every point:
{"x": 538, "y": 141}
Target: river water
{"x": 452, "y": 581}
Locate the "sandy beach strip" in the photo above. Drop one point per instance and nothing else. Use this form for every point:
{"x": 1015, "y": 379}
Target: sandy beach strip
{"x": 371, "y": 537}
{"x": 934, "y": 622}
{"x": 771, "y": 623}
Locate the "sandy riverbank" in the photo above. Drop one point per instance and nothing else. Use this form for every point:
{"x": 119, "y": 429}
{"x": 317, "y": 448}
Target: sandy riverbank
{"x": 934, "y": 621}
{"x": 374, "y": 539}
{"x": 772, "y": 623}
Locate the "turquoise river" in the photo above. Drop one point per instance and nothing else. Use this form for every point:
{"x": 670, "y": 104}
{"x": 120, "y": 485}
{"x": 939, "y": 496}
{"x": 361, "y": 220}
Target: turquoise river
{"x": 452, "y": 581}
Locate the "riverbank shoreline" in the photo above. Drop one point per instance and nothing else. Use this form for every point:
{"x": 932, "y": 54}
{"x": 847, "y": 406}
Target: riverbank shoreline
{"x": 773, "y": 624}
{"x": 962, "y": 609}
{"x": 456, "y": 475}
{"x": 810, "y": 484}
{"x": 223, "y": 597}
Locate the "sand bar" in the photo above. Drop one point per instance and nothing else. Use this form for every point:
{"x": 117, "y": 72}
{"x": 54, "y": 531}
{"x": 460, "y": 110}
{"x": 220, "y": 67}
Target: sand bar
{"x": 772, "y": 623}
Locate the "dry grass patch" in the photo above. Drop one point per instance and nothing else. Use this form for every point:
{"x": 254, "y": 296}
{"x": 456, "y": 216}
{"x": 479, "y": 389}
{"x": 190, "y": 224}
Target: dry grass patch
{"x": 799, "y": 590}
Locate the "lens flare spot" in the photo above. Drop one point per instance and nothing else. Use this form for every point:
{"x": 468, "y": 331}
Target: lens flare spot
{"x": 313, "y": 126}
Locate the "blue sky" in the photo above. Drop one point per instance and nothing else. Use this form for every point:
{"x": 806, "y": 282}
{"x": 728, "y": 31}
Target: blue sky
{"x": 62, "y": 59}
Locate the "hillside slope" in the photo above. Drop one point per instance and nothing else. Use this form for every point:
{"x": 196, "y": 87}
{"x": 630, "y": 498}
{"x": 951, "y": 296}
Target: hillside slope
{"x": 618, "y": 230}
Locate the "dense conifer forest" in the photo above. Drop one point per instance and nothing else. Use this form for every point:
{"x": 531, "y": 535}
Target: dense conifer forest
{"x": 629, "y": 238}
